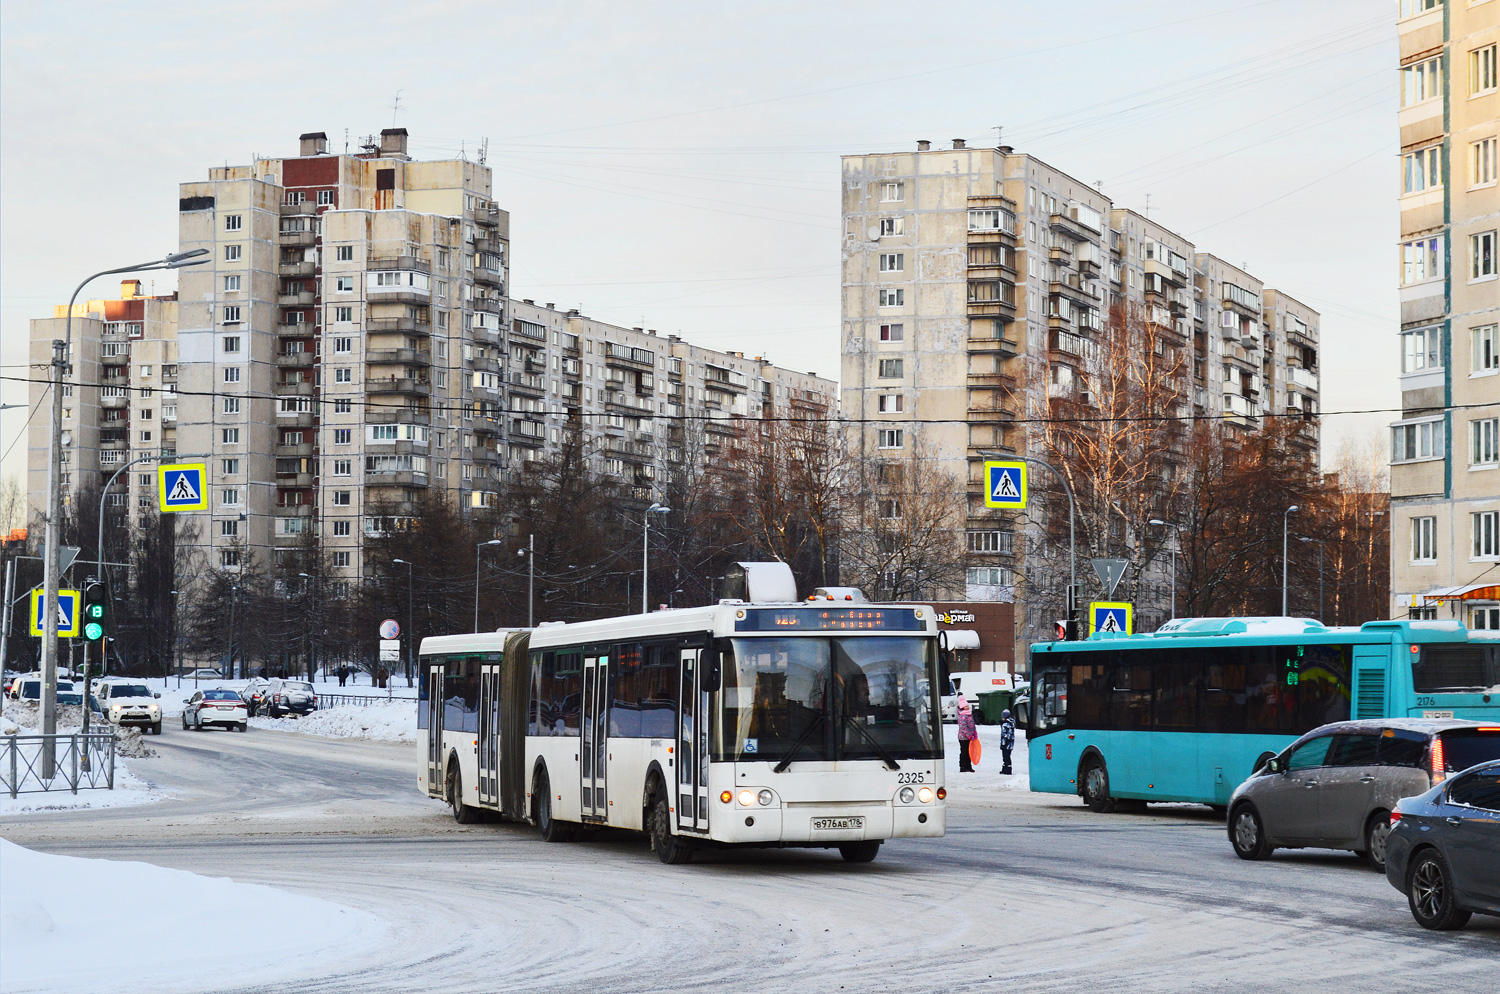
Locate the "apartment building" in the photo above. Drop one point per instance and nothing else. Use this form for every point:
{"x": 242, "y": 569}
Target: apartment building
{"x": 977, "y": 284}
{"x": 1445, "y": 447}
{"x": 350, "y": 346}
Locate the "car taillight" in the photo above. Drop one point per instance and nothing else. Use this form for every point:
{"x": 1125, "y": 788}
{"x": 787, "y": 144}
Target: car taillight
{"x": 1395, "y": 817}
{"x": 1437, "y": 767}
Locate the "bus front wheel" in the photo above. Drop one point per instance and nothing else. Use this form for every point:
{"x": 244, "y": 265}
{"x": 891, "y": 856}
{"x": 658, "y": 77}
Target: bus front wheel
{"x": 547, "y": 827}
{"x": 668, "y": 847}
{"x": 860, "y": 852}
{"x": 462, "y": 813}
{"x": 1095, "y": 786}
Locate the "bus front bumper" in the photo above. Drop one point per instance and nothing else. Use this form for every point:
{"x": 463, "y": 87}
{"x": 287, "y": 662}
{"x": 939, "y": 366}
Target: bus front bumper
{"x": 823, "y": 824}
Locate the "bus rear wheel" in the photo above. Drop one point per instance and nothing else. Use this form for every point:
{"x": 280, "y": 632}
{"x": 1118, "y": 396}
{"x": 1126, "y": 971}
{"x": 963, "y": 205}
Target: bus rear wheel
{"x": 1095, "y": 786}
{"x": 860, "y": 852}
{"x": 462, "y": 813}
{"x": 547, "y": 827}
{"x": 668, "y": 847}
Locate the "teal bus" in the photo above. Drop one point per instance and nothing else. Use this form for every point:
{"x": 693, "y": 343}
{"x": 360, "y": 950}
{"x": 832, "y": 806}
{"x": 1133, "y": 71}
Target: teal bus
{"x": 1190, "y": 711}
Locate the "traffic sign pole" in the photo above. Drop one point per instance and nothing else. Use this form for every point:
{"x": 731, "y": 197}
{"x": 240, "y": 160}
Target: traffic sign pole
{"x": 1072, "y": 513}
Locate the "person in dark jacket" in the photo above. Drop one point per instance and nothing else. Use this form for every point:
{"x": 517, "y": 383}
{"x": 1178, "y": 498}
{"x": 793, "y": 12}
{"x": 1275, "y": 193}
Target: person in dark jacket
{"x": 966, "y": 734}
{"x": 1007, "y": 739}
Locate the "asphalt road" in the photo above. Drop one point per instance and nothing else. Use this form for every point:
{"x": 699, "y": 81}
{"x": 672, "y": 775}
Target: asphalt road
{"x": 1027, "y": 892}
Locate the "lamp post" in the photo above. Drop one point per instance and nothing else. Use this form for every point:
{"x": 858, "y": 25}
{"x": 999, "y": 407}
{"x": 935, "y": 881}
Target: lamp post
{"x": 1305, "y": 538}
{"x": 530, "y": 553}
{"x": 478, "y": 548}
{"x": 1176, "y": 544}
{"x": 655, "y": 508}
{"x": 411, "y": 635}
{"x": 1285, "y": 516}
{"x": 311, "y": 651}
{"x": 52, "y": 554}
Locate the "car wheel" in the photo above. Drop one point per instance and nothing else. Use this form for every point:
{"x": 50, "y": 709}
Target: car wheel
{"x": 184, "y": 722}
{"x": 1429, "y": 891}
{"x": 860, "y": 852}
{"x": 1248, "y": 834}
{"x": 156, "y": 728}
{"x": 244, "y": 726}
{"x": 1377, "y": 830}
{"x": 1095, "y": 785}
{"x": 462, "y": 813}
{"x": 668, "y": 847}
{"x": 547, "y": 827}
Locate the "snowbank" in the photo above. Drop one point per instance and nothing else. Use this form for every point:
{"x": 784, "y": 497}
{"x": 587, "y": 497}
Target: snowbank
{"x": 47, "y": 900}
{"x": 174, "y": 697}
{"x": 129, "y": 788}
{"x": 394, "y": 721}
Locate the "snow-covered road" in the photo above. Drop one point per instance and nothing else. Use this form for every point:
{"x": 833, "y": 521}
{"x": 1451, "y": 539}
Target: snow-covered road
{"x": 1027, "y": 892}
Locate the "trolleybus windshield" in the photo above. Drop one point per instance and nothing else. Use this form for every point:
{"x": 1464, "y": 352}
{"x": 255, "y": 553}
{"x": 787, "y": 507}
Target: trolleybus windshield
{"x": 824, "y": 699}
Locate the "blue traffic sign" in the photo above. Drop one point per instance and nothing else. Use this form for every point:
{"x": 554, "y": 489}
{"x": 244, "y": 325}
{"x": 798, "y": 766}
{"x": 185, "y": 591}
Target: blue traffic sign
{"x": 183, "y": 486}
{"x": 1112, "y": 616}
{"x": 67, "y": 614}
{"x": 1005, "y": 484}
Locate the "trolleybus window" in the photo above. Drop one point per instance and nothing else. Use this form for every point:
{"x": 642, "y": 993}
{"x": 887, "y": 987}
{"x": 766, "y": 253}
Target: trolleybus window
{"x": 644, "y": 695}
{"x": 1466, "y": 666}
{"x": 556, "y": 693}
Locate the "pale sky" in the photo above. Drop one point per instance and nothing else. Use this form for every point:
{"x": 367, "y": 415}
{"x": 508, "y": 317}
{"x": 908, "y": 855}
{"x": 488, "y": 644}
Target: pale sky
{"x": 677, "y": 165}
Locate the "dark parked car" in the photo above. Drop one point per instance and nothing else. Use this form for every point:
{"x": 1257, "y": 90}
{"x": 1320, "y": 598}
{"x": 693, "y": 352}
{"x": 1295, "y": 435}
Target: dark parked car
{"x": 1443, "y": 851}
{"x": 1336, "y": 786}
{"x": 254, "y": 694}
{"x": 289, "y": 697}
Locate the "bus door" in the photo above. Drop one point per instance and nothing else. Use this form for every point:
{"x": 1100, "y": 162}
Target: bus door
{"x": 489, "y": 734}
{"x": 692, "y": 748}
{"x": 1371, "y": 662}
{"x": 435, "y": 774}
{"x": 592, "y": 755}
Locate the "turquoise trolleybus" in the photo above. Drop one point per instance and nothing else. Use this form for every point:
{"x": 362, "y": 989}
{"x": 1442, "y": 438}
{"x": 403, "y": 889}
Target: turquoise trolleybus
{"x": 1191, "y": 710}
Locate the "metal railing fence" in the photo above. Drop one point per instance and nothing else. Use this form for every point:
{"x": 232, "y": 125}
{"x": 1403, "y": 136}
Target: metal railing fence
{"x": 359, "y": 700}
{"x": 79, "y": 762}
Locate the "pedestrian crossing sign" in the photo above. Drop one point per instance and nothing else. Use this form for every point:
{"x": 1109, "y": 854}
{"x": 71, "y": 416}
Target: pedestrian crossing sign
{"x": 67, "y": 613}
{"x": 1005, "y": 485}
{"x": 1112, "y": 616}
{"x": 183, "y": 486}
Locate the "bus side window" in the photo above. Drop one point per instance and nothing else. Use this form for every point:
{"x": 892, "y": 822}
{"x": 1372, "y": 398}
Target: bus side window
{"x": 625, "y": 680}
{"x": 1223, "y": 693}
{"x": 1130, "y": 695}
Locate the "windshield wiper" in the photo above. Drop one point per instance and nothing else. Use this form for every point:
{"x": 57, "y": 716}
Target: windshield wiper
{"x": 801, "y": 741}
{"x": 879, "y": 749}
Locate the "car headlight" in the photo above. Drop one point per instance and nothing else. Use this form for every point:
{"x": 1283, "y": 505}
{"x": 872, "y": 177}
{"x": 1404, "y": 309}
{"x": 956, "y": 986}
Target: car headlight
{"x": 907, "y": 795}
{"x": 114, "y": 709}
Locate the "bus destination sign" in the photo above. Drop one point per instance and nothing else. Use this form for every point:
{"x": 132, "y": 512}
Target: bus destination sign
{"x": 829, "y": 619}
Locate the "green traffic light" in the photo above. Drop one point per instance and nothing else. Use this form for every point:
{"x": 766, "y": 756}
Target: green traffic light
{"x": 96, "y": 611}
{"x": 93, "y": 630}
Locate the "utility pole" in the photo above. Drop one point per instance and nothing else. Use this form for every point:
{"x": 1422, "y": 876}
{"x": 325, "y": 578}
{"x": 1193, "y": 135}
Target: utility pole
{"x": 646, "y": 555}
{"x": 10, "y": 590}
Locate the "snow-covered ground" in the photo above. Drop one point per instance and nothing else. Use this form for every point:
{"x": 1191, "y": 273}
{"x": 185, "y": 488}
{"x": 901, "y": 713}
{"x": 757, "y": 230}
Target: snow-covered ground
{"x": 170, "y": 932}
{"x": 129, "y": 788}
{"x": 173, "y": 696}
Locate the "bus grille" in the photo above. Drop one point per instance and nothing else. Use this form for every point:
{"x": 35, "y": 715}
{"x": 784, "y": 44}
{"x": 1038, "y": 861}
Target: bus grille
{"x": 1371, "y": 700}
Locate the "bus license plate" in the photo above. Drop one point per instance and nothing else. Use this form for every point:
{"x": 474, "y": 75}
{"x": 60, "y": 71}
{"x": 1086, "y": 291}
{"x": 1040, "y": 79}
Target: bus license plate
{"x": 838, "y": 824}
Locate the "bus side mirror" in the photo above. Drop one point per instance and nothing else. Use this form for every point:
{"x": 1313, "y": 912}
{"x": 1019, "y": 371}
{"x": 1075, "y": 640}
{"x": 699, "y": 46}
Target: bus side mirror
{"x": 709, "y": 666}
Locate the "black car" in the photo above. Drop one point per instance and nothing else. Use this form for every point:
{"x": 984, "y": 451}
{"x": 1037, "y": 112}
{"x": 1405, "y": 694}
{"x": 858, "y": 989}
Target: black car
{"x": 285, "y": 697}
{"x": 1443, "y": 850}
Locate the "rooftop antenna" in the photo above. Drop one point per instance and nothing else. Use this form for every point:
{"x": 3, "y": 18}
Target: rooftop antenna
{"x": 999, "y": 136}
{"x": 346, "y": 141}
{"x": 484, "y": 151}
{"x": 1148, "y": 205}
{"x": 396, "y": 106}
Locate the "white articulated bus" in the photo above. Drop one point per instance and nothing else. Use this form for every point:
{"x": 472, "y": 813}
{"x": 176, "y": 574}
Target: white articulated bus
{"x": 810, "y": 723}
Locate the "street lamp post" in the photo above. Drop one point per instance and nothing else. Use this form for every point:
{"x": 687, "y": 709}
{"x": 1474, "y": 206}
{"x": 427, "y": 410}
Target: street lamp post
{"x": 477, "y": 549}
{"x": 1305, "y": 538}
{"x": 411, "y": 635}
{"x": 1284, "y": 518}
{"x": 1176, "y": 544}
{"x": 52, "y": 567}
{"x": 530, "y": 553}
{"x": 655, "y": 508}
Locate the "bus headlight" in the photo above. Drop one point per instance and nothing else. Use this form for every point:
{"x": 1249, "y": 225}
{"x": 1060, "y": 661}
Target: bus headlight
{"x": 747, "y": 797}
{"x": 907, "y": 795}
{"x": 765, "y": 797}
{"x": 925, "y": 795}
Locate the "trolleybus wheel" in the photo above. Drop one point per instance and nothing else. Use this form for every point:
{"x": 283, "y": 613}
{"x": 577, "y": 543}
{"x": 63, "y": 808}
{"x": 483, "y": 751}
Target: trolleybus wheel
{"x": 860, "y": 852}
{"x": 462, "y": 813}
{"x": 668, "y": 847}
{"x": 1095, "y": 782}
{"x": 547, "y": 827}
{"x": 1248, "y": 834}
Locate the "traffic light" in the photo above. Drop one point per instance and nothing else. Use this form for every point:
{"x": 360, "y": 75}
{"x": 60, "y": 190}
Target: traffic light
{"x": 95, "y": 610}
{"x": 1074, "y": 614}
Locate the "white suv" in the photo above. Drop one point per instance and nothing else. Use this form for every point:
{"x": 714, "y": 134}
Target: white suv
{"x": 127, "y": 703}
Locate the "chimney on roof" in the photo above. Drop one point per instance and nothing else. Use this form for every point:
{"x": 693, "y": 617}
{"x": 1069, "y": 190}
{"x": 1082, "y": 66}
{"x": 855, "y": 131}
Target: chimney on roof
{"x": 551, "y": 306}
{"x": 960, "y": 143}
{"x": 528, "y": 300}
{"x": 314, "y": 143}
{"x": 572, "y": 312}
{"x": 393, "y": 143}
{"x": 638, "y": 329}
{"x": 923, "y": 145}
{"x": 130, "y": 289}
{"x": 1005, "y": 150}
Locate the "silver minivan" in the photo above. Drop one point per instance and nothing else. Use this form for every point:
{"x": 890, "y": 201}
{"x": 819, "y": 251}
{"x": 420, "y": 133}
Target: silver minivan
{"x": 1335, "y": 787}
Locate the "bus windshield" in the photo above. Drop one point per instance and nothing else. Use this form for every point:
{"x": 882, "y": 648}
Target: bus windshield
{"x": 826, "y": 699}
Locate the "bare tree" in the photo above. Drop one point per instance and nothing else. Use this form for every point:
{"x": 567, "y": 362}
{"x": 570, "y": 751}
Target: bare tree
{"x": 902, "y": 540}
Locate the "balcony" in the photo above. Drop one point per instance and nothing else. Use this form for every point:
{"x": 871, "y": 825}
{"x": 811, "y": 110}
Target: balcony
{"x": 390, "y": 414}
{"x": 299, "y": 329}
{"x": 486, "y": 364}
{"x": 1060, "y": 252}
{"x": 299, "y": 481}
{"x": 1004, "y": 346}
{"x": 991, "y": 298}
{"x": 398, "y": 356}
{"x": 1075, "y": 289}
{"x": 303, "y": 298}
{"x": 294, "y": 360}
{"x": 293, "y": 210}
{"x": 1239, "y": 411}
{"x": 490, "y": 278}
{"x": 395, "y": 478}
{"x": 399, "y": 385}
{"x": 1066, "y": 343}
{"x": 304, "y": 450}
{"x": 303, "y": 268}
{"x": 1072, "y": 227}
{"x": 110, "y": 403}
{"x": 488, "y": 305}
{"x": 528, "y": 382}
{"x": 1304, "y": 378}
{"x": 298, "y": 389}
{"x": 408, "y": 263}
{"x": 297, "y": 239}
{"x": 1173, "y": 276}
{"x": 405, "y": 325}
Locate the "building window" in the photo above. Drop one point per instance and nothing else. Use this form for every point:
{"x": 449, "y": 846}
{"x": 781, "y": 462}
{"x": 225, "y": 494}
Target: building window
{"x": 1484, "y": 442}
{"x": 230, "y": 528}
{"x": 343, "y": 375}
{"x": 984, "y": 220}
{"x": 232, "y": 342}
{"x": 1486, "y": 528}
{"x": 343, "y": 284}
{"x": 892, "y": 332}
{"x": 341, "y": 498}
{"x": 340, "y": 529}
{"x": 890, "y": 438}
{"x": 1482, "y": 162}
{"x": 231, "y": 253}
{"x": 1421, "y": 349}
{"x": 1001, "y": 542}
{"x": 232, "y": 374}
{"x": 341, "y": 560}
{"x": 892, "y": 192}
{"x": 1410, "y": 8}
{"x": 229, "y": 558}
{"x": 1482, "y": 258}
{"x": 343, "y": 406}
{"x": 1421, "y": 260}
{"x": 1486, "y": 349}
{"x": 1424, "y": 539}
{"x": 231, "y": 436}
{"x": 343, "y": 345}
{"x": 891, "y": 403}
{"x": 229, "y": 498}
{"x": 890, "y": 369}
{"x": 891, "y": 226}
{"x": 344, "y": 253}
{"x": 231, "y": 405}
{"x": 892, "y": 298}
{"x": 990, "y": 576}
{"x": 343, "y": 467}
{"x": 1422, "y": 169}
{"x": 229, "y": 467}
{"x": 233, "y": 222}
{"x": 343, "y": 314}
{"x": 892, "y": 262}
{"x": 1482, "y": 70}
{"x": 325, "y": 198}
{"x": 232, "y": 314}
{"x": 145, "y": 436}
{"x": 1417, "y": 441}
{"x": 231, "y": 283}
{"x": 294, "y": 197}
{"x": 342, "y": 436}
{"x": 1421, "y": 81}
{"x": 888, "y": 508}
